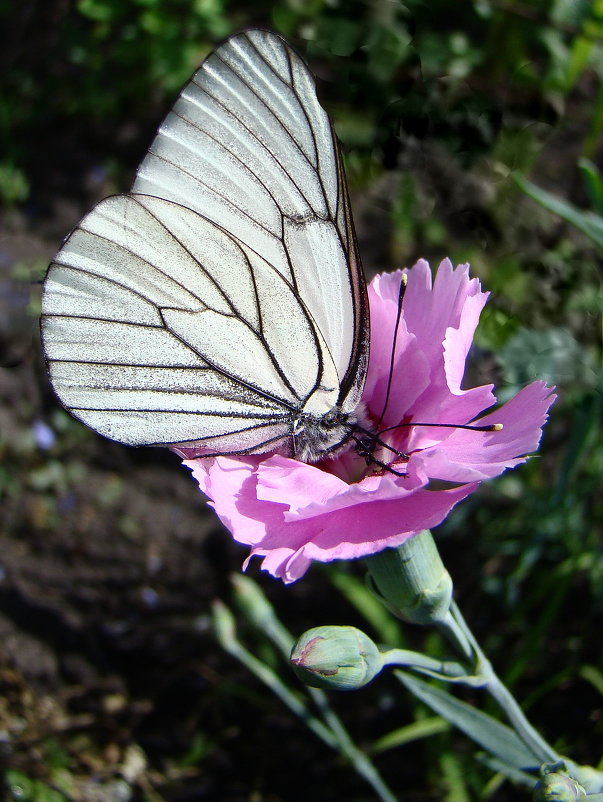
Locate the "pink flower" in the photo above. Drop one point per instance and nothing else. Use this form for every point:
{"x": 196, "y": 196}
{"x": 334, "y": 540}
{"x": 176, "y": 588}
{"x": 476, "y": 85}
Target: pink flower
{"x": 291, "y": 513}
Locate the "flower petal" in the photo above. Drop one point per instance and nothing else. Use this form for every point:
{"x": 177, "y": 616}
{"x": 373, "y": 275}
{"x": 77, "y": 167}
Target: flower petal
{"x": 231, "y": 485}
{"x": 354, "y": 531}
{"x": 468, "y": 456}
{"x": 291, "y": 513}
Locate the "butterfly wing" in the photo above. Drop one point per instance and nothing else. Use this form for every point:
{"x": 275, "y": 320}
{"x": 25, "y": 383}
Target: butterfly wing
{"x": 162, "y": 327}
{"x": 225, "y": 294}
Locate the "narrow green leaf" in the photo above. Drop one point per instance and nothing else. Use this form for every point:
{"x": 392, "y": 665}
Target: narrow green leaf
{"x": 579, "y": 58}
{"x": 594, "y": 676}
{"x": 330, "y": 729}
{"x": 413, "y": 732}
{"x": 594, "y": 183}
{"x": 453, "y": 778}
{"x": 257, "y": 609}
{"x": 589, "y": 223}
{"x": 502, "y": 768}
{"x": 496, "y": 738}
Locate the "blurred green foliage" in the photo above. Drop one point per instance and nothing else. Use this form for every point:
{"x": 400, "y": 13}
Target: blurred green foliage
{"x": 437, "y": 105}
{"x": 14, "y": 187}
{"x": 100, "y": 64}
{"x": 23, "y": 788}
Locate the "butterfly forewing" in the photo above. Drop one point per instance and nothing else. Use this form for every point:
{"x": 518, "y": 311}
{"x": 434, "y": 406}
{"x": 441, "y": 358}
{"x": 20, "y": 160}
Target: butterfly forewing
{"x": 224, "y": 295}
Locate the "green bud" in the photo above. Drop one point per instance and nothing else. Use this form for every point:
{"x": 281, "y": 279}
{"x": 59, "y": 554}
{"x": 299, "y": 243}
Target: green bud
{"x": 411, "y": 580}
{"x": 557, "y": 787}
{"x": 336, "y": 658}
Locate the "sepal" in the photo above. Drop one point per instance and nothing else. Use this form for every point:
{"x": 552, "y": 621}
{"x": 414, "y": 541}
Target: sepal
{"x": 556, "y": 786}
{"x": 411, "y": 580}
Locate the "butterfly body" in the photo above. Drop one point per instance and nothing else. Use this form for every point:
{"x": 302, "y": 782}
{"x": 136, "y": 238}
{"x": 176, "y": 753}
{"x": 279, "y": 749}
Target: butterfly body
{"x": 220, "y": 306}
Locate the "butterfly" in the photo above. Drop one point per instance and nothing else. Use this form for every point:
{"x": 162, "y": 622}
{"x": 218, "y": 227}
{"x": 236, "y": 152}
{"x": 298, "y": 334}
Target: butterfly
{"x": 220, "y": 305}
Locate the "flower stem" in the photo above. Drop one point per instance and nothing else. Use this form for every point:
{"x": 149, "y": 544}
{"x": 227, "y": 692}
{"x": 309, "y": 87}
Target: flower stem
{"x": 456, "y": 631}
{"x": 432, "y": 667}
{"x": 330, "y": 729}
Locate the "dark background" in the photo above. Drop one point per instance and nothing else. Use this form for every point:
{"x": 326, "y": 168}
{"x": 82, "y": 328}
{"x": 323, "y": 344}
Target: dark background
{"x": 113, "y": 684}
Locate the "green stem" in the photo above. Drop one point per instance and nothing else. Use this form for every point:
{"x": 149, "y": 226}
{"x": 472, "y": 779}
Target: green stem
{"x": 441, "y": 669}
{"x": 225, "y": 631}
{"x": 532, "y": 739}
{"x": 361, "y": 762}
{"x": 456, "y": 635}
{"x": 455, "y": 629}
{"x": 330, "y": 730}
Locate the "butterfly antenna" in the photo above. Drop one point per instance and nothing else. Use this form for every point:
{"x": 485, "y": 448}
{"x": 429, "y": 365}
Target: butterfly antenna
{"x": 401, "y": 292}
{"x": 491, "y": 427}
{"x": 366, "y": 447}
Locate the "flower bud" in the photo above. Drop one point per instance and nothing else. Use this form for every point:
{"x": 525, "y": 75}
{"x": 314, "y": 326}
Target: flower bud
{"x": 336, "y": 658}
{"x": 557, "y": 787}
{"x": 411, "y": 580}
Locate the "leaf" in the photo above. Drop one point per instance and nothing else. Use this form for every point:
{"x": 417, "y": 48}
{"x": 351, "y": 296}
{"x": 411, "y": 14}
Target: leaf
{"x": 589, "y": 223}
{"x": 499, "y": 767}
{"x": 496, "y": 738}
{"x": 452, "y": 778}
{"x": 412, "y": 732}
{"x": 594, "y": 183}
{"x": 594, "y": 676}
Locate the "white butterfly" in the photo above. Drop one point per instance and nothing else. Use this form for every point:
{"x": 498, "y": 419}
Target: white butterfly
{"x": 220, "y": 305}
